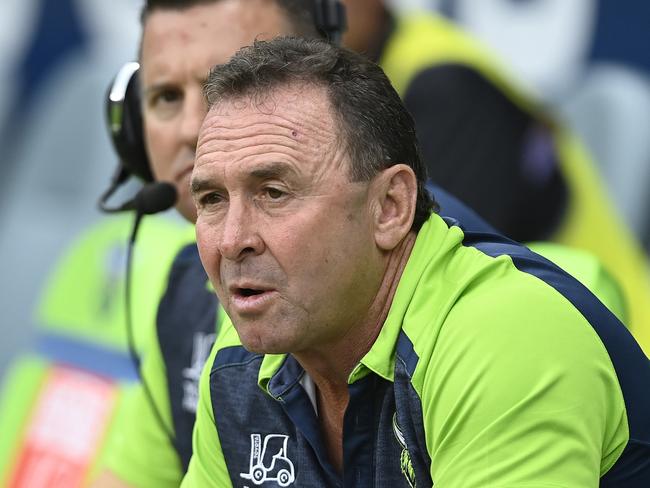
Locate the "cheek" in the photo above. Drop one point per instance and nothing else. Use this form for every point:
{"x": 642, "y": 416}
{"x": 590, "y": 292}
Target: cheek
{"x": 206, "y": 242}
{"x": 334, "y": 251}
{"x": 309, "y": 253}
{"x": 160, "y": 143}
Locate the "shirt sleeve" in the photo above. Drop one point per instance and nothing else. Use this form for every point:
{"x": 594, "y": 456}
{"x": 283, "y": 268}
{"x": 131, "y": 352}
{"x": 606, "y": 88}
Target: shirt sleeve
{"x": 520, "y": 393}
{"x": 140, "y": 451}
{"x": 208, "y": 465}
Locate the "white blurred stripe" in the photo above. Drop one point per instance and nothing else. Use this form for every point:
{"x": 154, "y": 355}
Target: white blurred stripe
{"x": 403, "y": 5}
{"x": 545, "y": 41}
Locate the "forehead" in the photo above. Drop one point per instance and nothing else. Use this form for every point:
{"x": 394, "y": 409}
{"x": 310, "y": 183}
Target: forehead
{"x": 207, "y": 34}
{"x": 296, "y": 121}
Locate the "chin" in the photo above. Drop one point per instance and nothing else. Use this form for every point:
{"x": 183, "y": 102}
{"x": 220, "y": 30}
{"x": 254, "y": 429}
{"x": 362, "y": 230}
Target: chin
{"x": 259, "y": 344}
{"x": 259, "y": 348}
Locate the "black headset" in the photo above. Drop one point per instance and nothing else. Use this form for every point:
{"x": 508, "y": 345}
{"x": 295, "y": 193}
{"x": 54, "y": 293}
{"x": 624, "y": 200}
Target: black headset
{"x": 124, "y": 116}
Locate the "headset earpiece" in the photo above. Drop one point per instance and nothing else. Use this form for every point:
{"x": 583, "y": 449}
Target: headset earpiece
{"x": 124, "y": 118}
{"x": 330, "y": 20}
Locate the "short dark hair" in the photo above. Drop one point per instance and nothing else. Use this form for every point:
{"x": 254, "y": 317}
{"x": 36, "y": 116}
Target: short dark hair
{"x": 376, "y": 128}
{"x": 300, "y": 13}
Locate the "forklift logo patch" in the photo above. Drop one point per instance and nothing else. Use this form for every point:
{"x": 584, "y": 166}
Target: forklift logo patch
{"x": 269, "y": 461}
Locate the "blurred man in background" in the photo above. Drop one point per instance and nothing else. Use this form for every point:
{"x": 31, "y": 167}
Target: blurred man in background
{"x": 181, "y": 41}
{"x": 59, "y": 396}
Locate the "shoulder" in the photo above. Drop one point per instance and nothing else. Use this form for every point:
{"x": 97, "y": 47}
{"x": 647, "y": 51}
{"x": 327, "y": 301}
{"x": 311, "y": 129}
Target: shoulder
{"x": 515, "y": 302}
{"x": 514, "y": 365}
{"x": 495, "y": 311}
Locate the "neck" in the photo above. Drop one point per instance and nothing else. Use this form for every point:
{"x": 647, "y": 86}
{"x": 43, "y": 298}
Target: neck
{"x": 331, "y": 364}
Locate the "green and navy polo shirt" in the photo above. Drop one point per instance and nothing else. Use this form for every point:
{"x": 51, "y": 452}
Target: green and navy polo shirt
{"x": 493, "y": 368}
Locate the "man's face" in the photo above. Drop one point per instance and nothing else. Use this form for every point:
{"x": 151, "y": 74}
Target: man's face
{"x": 178, "y": 49}
{"x": 286, "y": 238}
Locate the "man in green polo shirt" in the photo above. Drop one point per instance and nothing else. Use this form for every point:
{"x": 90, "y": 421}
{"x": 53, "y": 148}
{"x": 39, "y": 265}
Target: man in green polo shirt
{"x": 374, "y": 343}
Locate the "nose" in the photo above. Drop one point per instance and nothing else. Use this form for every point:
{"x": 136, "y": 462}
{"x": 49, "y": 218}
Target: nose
{"x": 240, "y": 236}
{"x": 194, "y": 111}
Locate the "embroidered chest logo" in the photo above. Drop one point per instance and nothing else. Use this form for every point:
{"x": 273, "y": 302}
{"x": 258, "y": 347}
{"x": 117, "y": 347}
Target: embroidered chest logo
{"x": 405, "y": 458}
{"x": 269, "y": 461}
{"x": 202, "y": 344}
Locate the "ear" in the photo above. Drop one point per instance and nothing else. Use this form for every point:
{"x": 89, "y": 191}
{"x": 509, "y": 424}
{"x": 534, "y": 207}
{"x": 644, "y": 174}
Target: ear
{"x": 395, "y": 195}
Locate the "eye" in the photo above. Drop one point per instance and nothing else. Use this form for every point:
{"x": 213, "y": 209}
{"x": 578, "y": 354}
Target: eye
{"x": 273, "y": 193}
{"x": 210, "y": 199}
{"x": 165, "y": 101}
{"x": 168, "y": 96}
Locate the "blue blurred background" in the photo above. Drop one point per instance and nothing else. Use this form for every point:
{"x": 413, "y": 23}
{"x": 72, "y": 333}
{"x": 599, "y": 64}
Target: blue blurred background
{"x": 589, "y": 59}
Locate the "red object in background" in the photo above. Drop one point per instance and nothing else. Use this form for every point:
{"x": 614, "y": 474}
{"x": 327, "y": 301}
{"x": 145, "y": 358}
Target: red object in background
{"x": 65, "y": 430}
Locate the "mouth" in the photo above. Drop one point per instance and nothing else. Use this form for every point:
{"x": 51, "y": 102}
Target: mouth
{"x": 247, "y": 300}
{"x": 248, "y": 292}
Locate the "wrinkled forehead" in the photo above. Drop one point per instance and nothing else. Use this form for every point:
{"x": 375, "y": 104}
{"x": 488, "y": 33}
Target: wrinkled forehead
{"x": 300, "y": 112}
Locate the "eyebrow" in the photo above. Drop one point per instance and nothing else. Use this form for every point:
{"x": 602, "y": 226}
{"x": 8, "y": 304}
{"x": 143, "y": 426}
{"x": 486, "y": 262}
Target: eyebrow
{"x": 274, "y": 169}
{"x": 271, "y": 170}
{"x": 166, "y": 84}
{"x": 156, "y": 87}
{"x": 199, "y": 184}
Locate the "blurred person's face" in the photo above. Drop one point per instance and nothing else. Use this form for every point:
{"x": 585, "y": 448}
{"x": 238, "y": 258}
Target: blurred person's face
{"x": 365, "y": 20}
{"x": 287, "y": 239}
{"x": 179, "y": 47}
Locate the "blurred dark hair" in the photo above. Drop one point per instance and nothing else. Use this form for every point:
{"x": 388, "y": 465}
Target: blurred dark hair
{"x": 300, "y": 13}
{"x": 375, "y": 127}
